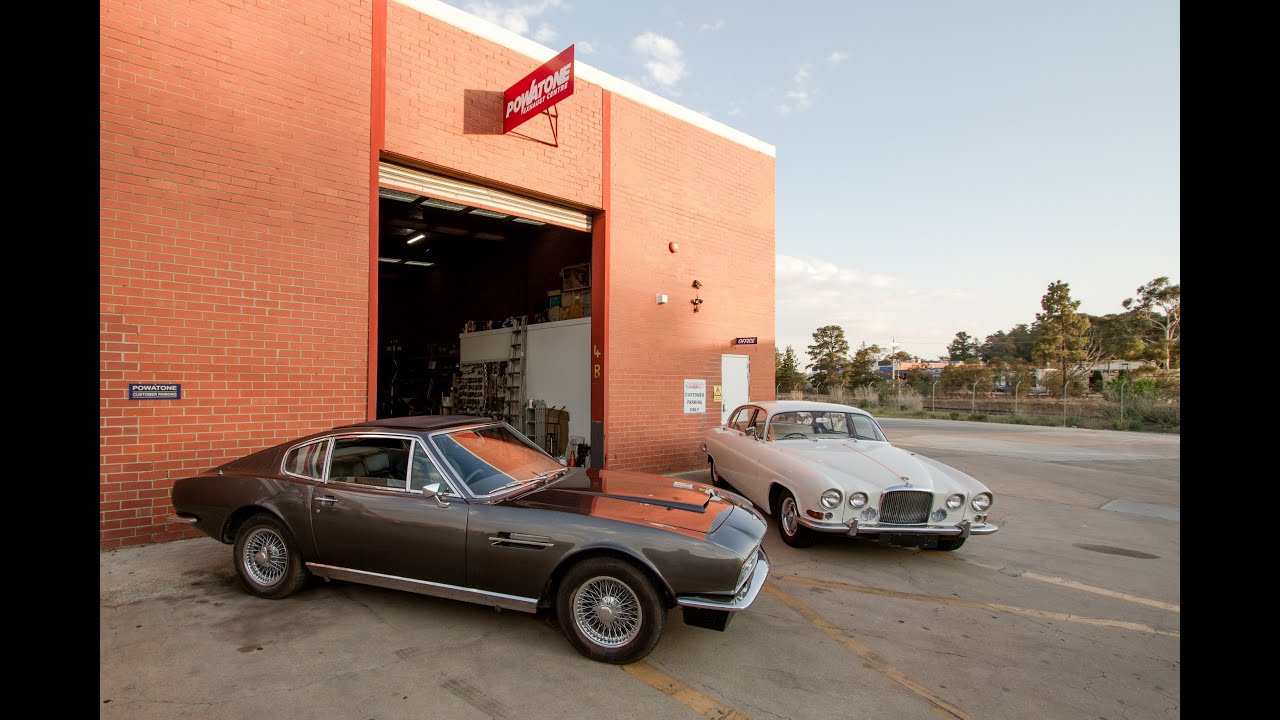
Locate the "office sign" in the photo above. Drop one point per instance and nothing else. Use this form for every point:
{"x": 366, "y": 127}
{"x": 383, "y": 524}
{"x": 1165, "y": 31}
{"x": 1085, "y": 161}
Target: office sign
{"x": 695, "y": 396}
{"x": 744, "y": 341}
{"x": 155, "y": 391}
{"x": 538, "y": 91}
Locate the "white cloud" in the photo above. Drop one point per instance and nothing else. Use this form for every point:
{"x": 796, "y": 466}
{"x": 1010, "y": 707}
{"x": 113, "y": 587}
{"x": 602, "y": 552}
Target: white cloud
{"x": 800, "y": 97}
{"x": 711, "y": 27}
{"x": 586, "y": 47}
{"x": 545, "y": 33}
{"x": 516, "y": 17}
{"x": 813, "y": 282}
{"x": 837, "y": 57}
{"x": 664, "y": 60}
{"x": 869, "y": 306}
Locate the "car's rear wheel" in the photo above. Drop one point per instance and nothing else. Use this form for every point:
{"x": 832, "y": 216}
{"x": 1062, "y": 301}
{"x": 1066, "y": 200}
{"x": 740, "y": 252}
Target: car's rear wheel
{"x": 609, "y": 610}
{"x": 789, "y": 527}
{"x": 267, "y": 558}
{"x": 950, "y": 542}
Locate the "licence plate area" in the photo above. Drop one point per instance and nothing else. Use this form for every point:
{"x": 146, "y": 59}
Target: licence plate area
{"x": 910, "y": 540}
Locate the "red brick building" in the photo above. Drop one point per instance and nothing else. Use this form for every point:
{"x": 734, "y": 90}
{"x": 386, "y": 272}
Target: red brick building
{"x": 265, "y": 168}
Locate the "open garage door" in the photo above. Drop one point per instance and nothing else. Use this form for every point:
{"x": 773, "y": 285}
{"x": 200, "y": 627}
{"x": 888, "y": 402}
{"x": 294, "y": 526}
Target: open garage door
{"x": 484, "y": 307}
{"x": 472, "y": 195}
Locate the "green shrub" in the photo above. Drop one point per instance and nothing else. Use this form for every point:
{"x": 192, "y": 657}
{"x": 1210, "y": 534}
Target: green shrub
{"x": 954, "y": 415}
{"x": 978, "y": 417}
{"x": 1019, "y": 420}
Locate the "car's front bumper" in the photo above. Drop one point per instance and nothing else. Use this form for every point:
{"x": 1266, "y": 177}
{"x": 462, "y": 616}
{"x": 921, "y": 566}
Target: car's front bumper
{"x": 732, "y": 603}
{"x": 964, "y": 528}
{"x": 714, "y": 612}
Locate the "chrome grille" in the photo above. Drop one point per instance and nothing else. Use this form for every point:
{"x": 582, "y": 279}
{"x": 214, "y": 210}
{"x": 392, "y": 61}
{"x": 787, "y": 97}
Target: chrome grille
{"x": 906, "y": 507}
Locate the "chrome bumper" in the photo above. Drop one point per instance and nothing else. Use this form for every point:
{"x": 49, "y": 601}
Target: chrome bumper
{"x": 963, "y": 529}
{"x": 182, "y": 520}
{"x": 741, "y": 601}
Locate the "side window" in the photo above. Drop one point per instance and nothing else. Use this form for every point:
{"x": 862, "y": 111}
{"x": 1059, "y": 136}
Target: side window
{"x": 307, "y": 460}
{"x": 759, "y": 424}
{"x": 741, "y": 419}
{"x": 374, "y": 461}
{"x": 423, "y": 472}
{"x": 864, "y": 428}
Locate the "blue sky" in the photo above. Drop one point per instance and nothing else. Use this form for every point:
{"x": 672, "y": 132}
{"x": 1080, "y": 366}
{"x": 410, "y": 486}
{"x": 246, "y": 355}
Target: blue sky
{"x": 939, "y": 163}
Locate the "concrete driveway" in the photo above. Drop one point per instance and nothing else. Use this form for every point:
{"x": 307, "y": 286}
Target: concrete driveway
{"x": 1070, "y": 611}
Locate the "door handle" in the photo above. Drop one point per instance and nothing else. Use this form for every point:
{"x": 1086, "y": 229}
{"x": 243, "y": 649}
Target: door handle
{"x": 326, "y": 500}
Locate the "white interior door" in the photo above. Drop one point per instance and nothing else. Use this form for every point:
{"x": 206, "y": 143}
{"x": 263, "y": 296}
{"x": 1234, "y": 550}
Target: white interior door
{"x": 735, "y": 383}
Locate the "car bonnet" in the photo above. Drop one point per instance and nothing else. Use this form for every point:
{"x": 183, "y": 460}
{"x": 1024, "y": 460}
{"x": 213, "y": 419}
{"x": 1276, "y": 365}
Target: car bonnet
{"x": 635, "y": 497}
{"x": 876, "y": 463}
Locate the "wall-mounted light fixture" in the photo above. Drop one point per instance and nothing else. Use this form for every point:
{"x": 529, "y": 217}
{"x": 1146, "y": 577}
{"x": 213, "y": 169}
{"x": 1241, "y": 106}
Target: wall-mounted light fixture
{"x": 415, "y": 238}
{"x": 697, "y": 301}
{"x": 662, "y": 299}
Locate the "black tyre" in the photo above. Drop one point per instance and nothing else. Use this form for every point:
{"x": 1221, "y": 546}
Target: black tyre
{"x": 716, "y": 480}
{"x": 609, "y": 610}
{"x": 267, "y": 559}
{"x": 950, "y": 542}
{"x": 787, "y": 513}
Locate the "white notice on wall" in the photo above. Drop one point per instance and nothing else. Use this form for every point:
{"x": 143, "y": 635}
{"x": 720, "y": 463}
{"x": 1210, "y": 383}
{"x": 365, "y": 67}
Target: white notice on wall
{"x": 695, "y": 396}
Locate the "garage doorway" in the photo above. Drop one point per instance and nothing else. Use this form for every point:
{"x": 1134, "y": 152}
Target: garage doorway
{"x": 735, "y": 383}
{"x": 484, "y": 306}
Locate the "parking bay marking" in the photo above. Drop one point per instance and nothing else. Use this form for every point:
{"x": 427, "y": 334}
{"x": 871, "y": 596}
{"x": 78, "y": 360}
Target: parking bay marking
{"x": 704, "y": 705}
{"x": 1077, "y": 586}
{"x": 869, "y": 658}
{"x": 974, "y": 604}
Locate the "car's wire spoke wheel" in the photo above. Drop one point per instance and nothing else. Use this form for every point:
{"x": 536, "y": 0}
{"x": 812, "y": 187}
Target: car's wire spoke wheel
{"x": 607, "y": 611}
{"x": 790, "y": 516}
{"x": 265, "y": 557}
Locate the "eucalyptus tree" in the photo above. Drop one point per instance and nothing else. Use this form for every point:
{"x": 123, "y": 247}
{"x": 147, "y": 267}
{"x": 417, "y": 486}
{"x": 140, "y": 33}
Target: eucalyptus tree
{"x": 1160, "y": 305}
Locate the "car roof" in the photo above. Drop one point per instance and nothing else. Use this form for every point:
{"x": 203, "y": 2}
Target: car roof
{"x": 420, "y": 422}
{"x": 777, "y": 406}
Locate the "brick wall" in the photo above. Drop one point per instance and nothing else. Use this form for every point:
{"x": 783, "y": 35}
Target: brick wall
{"x": 675, "y": 182}
{"x": 234, "y": 185}
{"x": 234, "y": 231}
{"x": 444, "y": 106}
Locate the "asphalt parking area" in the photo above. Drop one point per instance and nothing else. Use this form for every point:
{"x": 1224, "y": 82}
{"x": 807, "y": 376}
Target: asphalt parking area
{"x": 1070, "y": 611}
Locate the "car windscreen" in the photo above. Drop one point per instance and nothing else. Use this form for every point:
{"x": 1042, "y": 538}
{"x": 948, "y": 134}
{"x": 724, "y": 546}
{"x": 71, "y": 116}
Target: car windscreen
{"x": 819, "y": 424}
{"x": 488, "y": 459}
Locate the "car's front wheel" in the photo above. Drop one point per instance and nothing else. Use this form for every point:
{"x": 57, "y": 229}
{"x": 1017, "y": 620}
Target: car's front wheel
{"x": 788, "y": 514}
{"x": 609, "y": 610}
{"x": 267, "y": 558}
{"x": 716, "y": 480}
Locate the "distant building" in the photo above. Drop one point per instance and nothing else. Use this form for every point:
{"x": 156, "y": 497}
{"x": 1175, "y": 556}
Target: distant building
{"x": 933, "y": 367}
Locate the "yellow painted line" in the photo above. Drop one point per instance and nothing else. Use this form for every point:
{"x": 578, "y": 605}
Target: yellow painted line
{"x": 940, "y": 707}
{"x": 704, "y": 705}
{"x": 974, "y": 604}
{"x": 1076, "y": 585}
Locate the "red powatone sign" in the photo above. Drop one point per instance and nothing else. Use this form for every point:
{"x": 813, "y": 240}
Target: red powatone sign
{"x": 538, "y": 91}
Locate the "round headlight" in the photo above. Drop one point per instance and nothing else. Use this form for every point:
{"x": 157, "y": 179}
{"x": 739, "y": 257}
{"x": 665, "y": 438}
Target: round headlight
{"x": 981, "y": 502}
{"x": 955, "y": 501}
{"x": 831, "y": 499}
{"x": 857, "y": 500}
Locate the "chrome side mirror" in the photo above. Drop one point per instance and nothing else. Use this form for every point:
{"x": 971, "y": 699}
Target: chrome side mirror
{"x": 751, "y": 431}
{"x": 433, "y": 491}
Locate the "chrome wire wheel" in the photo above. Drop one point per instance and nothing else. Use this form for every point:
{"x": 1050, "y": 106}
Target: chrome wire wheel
{"x": 789, "y": 516}
{"x": 265, "y": 558}
{"x": 607, "y": 611}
